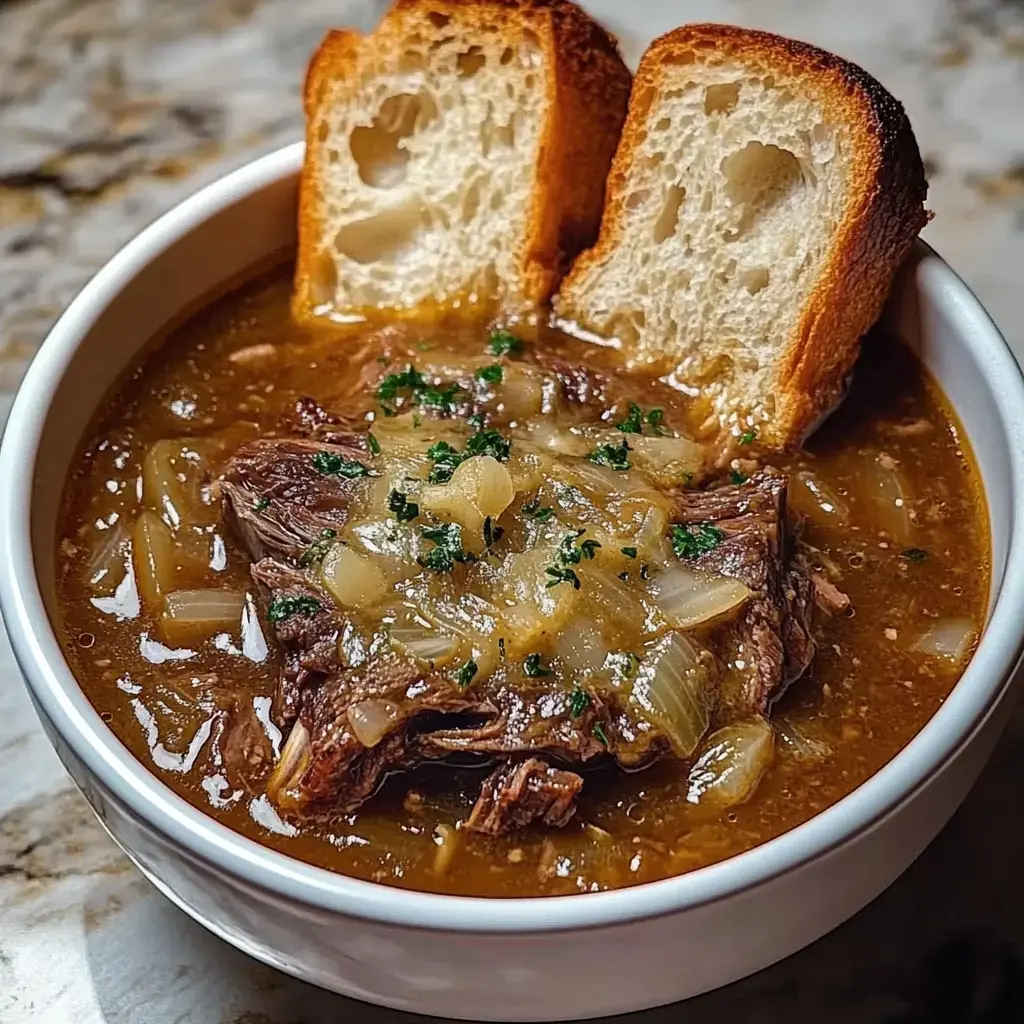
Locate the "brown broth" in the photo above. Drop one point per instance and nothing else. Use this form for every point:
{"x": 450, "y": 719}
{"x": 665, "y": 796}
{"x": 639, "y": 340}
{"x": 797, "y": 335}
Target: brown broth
{"x": 866, "y": 696}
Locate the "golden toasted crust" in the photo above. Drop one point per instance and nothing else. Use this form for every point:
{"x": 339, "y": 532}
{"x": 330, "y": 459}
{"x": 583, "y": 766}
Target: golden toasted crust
{"x": 587, "y": 83}
{"x": 883, "y": 212}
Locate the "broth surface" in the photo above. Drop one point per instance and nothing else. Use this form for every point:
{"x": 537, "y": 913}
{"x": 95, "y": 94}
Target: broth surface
{"x": 236, "y": 370}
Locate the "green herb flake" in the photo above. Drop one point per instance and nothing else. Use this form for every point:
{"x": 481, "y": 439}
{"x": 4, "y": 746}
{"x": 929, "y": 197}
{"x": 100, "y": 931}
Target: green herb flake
{"x": 332, "y": 464}
{"x": 748, "y": 437}
{"x": 579, "y": 701}
{"x": 614, "y": 456}
{"x": 464, "y": 676}
{"x": 492, "y": 533}
{"x": 915, "y": 555}
{"x": 489, "y": 442}
{"x": 424, "y": 346}
{"x": 633, "y": 421}
{"x": 562, "y": 575}
{"x": 501, "y": 646}
{"x": 282, "y": 608}
{"x": 261, "y": 504}
{"x": 314, "y": 554}
{"x": 476, "y": 421}
{"x": 600, "y": 733}
{"x": 444, "y": 399}
{"x": 533, "y": 668}
{"x": 736, "y": 477}
{"x": 629, "y": 552}
{"x": 445, "y": 459}
{"x": 655, "y": 420}
{"x": 447, "y": 548}
{"x": 535, "y": 510}
{"x": 645, "y": 572}
{"x": 503, "y": 343}
{"x": 492, "y": 374}
{"x": 693, "y": 541}
{"x": 374, "y": 444}
{"x": 394, "y": 384}
{"x": 624, "y": 664}
{"x": 405, "y": 511}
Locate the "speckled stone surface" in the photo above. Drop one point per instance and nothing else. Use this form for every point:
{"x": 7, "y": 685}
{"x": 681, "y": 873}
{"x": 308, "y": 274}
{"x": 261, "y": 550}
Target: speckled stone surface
{"x": 113, "y": 110}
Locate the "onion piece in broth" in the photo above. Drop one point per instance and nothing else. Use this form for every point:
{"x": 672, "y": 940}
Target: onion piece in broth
{"x": 948, "y": 639}
{"x": 675, "y": 686}
{"x": 371, "y": 720}
{"x": 689, "y": 599}
{"x": 732, "y": 764}
{"x": 195, "y": 615}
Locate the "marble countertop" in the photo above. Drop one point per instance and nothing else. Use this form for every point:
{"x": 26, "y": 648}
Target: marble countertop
{"x": 113, "y": 110}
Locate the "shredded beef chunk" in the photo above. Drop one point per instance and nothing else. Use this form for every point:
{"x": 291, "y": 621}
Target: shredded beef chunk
{"x": 283, "y": 495}
{"x": 773, "y": 635}
{"x": 515, "y": 795}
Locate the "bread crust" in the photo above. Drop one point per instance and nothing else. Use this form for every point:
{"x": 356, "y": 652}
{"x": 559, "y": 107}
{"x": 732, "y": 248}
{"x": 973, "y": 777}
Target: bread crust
{"x": 883, "y": 213}
{"x": 588, "y": 85}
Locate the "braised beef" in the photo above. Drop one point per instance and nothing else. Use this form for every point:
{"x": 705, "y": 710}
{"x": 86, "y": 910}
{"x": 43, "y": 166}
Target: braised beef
{"x": 518, "y": 793}
{"x": 773, "y": 634}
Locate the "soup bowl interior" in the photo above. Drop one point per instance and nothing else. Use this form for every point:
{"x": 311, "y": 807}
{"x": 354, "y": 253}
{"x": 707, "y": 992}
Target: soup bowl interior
{"x": 221, "y": 877}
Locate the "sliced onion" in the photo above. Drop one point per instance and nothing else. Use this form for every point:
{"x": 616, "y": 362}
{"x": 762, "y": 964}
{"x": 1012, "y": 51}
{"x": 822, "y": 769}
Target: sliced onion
{"x": 669, "y": 460}
{"x": 534, "y": 611}
{"x": 104, "y": 569}
{"x": 890, "y": 495}
{"x": 446, "y": 838}
{"x": 581, "y": 646}
{"x": 424, "y": 644}
{"x": 949, "y": 639}
{"x": 480, "y": 488}
{"x": 819, "y": 502}
{"x": 550, "y": 437}
{"x": 732, "y": 764}
{"x": 353, "y": 580}
{"x": 522, "y": 392}
{"x": 688, "y": 598}
{"x": 290, "y": 769}
{"x": 675, "y": 685}
{"x": 622, "y": 610}
{"x": 800, "y": 742}
{"x": 191, "y": 615}
{"x": 155, "y": 558}
{"x": 371, "y": 720}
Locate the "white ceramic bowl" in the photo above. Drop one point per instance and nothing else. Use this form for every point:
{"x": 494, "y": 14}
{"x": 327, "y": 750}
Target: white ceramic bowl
{"x": 527, "y": 959}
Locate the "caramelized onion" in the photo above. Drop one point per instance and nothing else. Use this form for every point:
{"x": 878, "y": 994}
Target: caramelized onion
{"x": 155, "y": 559}
{"x": 371, "y": 720}
{"x": 949, "y": 639}
{"x": 289, "y": 770}
{"x": 891, "y": 498}
{"x": 581, "y": 646}
{"x": 353, "y": 580}
{"x": 675, "y": 685}
{"x": 104, "y": 569}
{"x": 480, "y": 488}
{"x": 732, "y": 764}
{"x": 800, "y": 742}
{"x": 424, "y": 644}
{"x": 688, "y": 599}
{"x": 816, "y": 500}
{"x": 191, "y": 615}
{"x": 669, "y": 460}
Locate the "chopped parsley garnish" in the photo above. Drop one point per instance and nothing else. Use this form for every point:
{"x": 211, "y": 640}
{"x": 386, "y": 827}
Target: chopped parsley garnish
{"x": 600, "y": 733}
{"x": 464, "y": 676}
{"x": 447, "y": 548}
{"x": 562, "y": 575}
{"x": 444, "y": 399}
{"x": 410, "y": 379}
{"x": 614, "y": 456}
{"x": 282, "y": 608}
{"x": 332, "y": 464}
{"x": 748, "y": 437}
{"x": 915, "y": 555}
{"x": 316, "y": 551}
{"x": 489, "y": 442}
{"x": 446, "y": 458}
{"x": 694, "y": 541}
{"x": 261, "y": 504}
{"x": 736, "y": 477}
{"x": 424, "y": 346}
{"x": 492, "y": 533}
{"x": 569, "y": 553}
{"x": 645, "y": 572}
{"x": 535, "y": 510}
{"x": 579, "y": 701}
{"x": 373, "y": 443}
{"x": 629, "y": 552}
{"x": 502, "y": 343}
{"x": 633, "y": 423}
{"x": 655, "y": 419}
{"x": 490, "y": 374}
{"x": 533, "y": 668}
{"x": 405, "y": 511}
{"x": 476, "y": 421}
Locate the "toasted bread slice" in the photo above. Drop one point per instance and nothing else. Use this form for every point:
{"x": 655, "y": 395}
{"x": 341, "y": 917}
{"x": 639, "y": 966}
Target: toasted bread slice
{"x": 459, "y": 153}
{"x": 762, "y": 196}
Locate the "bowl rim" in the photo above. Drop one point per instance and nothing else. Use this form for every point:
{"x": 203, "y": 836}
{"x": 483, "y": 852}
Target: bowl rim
{"x": 62, "y": 703}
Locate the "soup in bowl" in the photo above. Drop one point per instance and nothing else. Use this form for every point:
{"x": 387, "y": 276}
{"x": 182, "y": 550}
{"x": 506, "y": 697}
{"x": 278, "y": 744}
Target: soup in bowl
{"x": 320, "y": 615}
